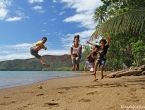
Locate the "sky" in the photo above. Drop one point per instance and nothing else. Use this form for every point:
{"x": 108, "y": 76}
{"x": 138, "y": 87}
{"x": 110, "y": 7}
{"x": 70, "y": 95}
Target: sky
{"x": 24, "y": 22}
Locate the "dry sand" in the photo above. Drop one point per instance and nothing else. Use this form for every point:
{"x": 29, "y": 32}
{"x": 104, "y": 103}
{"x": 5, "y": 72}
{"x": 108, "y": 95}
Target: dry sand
{"x": 77, "y": 93}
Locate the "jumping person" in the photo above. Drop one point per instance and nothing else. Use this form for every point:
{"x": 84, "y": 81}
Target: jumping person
{"x": 75, "y": 52}
{"x": 90, "y": 60}
{"x": 102, "y": 50}
{"x": 38, "y": 46}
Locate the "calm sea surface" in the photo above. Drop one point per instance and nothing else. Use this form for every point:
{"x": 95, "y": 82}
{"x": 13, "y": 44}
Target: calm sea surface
{"x": 18, "y": 78}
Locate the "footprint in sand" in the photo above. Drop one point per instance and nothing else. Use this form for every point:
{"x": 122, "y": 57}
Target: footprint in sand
{"x": 92, "y": 93}
{"x": 4, "y": 103}
{"x": 7, "y": 97}
{"x": 133, "y": 89}
{"x": 39, "y": 94}
{"x": 61, "y": 92}
{"x": 68, "y": 88}
{"x": 51, "y": 104}
{"x": 84, "y": 100}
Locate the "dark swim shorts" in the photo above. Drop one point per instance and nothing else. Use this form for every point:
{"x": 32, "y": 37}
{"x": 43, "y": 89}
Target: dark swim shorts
{"x": 34, "y": 52}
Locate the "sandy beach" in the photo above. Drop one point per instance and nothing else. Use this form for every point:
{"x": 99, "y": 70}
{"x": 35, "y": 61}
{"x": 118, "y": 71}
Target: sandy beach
{"x": 77, "y": 93}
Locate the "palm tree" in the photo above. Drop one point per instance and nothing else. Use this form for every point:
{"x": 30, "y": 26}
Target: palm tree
{"x": 132, "y": 22}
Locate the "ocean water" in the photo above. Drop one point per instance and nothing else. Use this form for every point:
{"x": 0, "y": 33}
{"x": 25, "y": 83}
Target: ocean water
{"x": 18, "y": 78}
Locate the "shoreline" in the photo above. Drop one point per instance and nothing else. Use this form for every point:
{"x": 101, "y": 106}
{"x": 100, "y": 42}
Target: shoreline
{"x": 54, "y": 76}
{"x": 76, "y": 93}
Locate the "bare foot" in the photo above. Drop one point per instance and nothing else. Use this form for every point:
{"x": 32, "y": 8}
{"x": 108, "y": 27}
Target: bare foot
{"x": 73, "y": 67}
{"x": 47, "y": 65}
{"x": 95, "y": 80}
{"x": 94, "y": 74}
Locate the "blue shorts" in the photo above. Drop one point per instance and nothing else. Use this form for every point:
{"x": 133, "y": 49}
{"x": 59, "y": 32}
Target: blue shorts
{"x": 101, "y": 61}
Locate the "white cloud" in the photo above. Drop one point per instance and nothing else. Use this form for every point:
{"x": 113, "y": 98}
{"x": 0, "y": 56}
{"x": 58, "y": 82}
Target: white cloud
{"x": 68, "y": 40}
{"x": 18, "y": 51}
{"x": 5, "y": 3}
{"x": 53, "y": 19}
{"x": 22, "y": 51}
{"x": 54, "y": 1}
{"x": 15, "y": 56}
{"x": 19, "y": 16}
{"x": 35, "y": 1}
{"x": 13, "y": 19}
{"x": 37, "y": 7}
{"x": 83, "y": 17}
{"x": 3, "y": 13}
{"x": 3, "y": 8}
{"x": 82, "y": 5}
{"x": 45, "y": 23}
{"x": 84, "y": 12}
{"x": 43, "y": 30}
{"x": 61, "y": 13}
{"x": 84, "y": 20}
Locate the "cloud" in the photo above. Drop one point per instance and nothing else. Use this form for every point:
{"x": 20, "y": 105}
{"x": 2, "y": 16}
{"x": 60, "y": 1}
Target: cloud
{"x": 54, "y": 1}
{"x": 18, "y": 51}
{"x": 53, "y": 19}
{"x": 19, "y": 15}
{"x": 22, "y": 51}
{"x": 3, "y": 8}
{"x": 83, "y": 18}
{"x": 3, "y": 13}
{"x": 61, "y": 13}
{"x": 35, "y": 1}
{"x": 43, "y": 30}
{"x": 82, "y": 5}
{"x": 15, "y": 56}
{"x": 67, "y": 41}
{"x": 13, "y": 19}
{"x": 38, "y": 9}
{"x": 84, "y": 12}
{"x": 45, "y": 23}
{"x": 5, "y": 3}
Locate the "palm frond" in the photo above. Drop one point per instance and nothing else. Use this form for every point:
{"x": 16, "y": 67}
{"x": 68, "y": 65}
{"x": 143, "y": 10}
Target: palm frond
{"x": 132, "y": 22}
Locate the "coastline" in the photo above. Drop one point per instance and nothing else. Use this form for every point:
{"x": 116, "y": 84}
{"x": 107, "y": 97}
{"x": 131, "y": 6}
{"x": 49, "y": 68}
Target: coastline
{"x": 76, "y": 93}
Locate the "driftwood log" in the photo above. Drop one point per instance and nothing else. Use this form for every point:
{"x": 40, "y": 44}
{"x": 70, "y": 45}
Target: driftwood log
{"x": 132, "y": 71}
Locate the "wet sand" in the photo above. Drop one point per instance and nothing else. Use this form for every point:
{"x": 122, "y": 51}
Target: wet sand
{"x": 77, "y": 93}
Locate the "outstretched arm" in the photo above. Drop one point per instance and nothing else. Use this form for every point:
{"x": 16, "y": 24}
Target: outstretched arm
{"x": 108, "y": 40}
{"x": 90, "y": 43}
{"x": 71, "y": 52}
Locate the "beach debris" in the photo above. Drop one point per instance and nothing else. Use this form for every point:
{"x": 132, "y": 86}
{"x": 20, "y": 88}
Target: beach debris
{"x": 39, "y": 94}
{"x": 84, "y": 100}
{"x": 51, "y": 104}
{"x": 39, "y": 87}
{"x": 137, "y": 71}
{"x": 124, "y": 66}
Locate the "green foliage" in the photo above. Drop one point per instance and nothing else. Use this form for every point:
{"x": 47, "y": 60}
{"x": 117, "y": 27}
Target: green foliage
{"x": 87, "y": 49}
{"x": 138, "y": 51}
{"x": 120, "y": 16}
{"x": 124, "y": 20}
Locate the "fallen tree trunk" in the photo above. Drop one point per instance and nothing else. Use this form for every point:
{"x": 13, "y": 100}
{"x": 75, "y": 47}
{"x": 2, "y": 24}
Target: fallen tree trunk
{"x": 124, "y": 73}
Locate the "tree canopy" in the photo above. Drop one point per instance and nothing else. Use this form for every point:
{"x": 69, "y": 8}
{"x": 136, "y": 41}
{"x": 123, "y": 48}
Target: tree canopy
{"x": 124, "y": 20}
